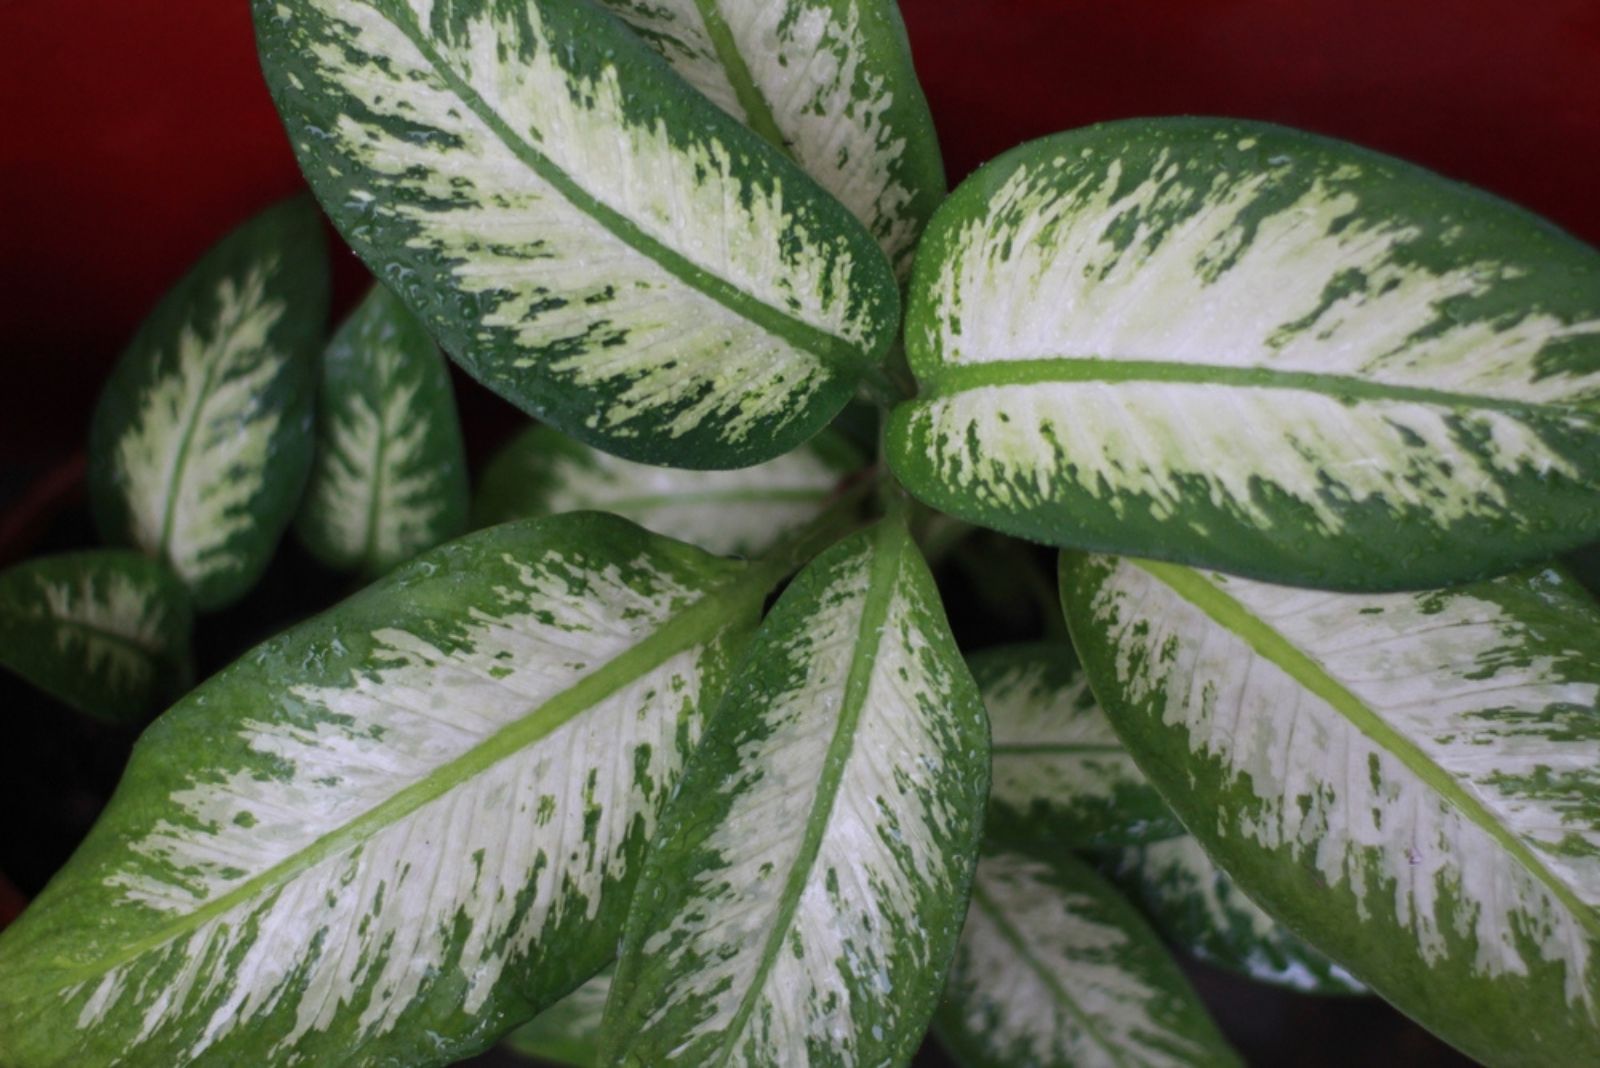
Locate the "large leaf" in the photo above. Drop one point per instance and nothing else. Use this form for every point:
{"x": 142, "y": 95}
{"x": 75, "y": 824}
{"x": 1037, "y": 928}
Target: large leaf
{"x": 584, "y": 232}
{"x": 1195, "y": 906}
{"x": 1060, "y": 772}
{"x": 1409, "y": 781}
{"x": 543, "y": 472}
{"x": 394, "y": 831}
{"x": 568, "y": 1032}
{"x": 202, "y": 438}
{"x": 1055, "y": 970}
{"x": 807, "y": 887}
{"x": 1237, "y": 346}
{"x": 829, "y": 81}
{"x": 390, "y": 477}
{"x": 105, "y": 631}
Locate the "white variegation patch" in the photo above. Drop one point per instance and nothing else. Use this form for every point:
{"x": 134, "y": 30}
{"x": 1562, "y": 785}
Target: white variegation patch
{"x": 194, "y": 455}
{"x": 115, "y": 626}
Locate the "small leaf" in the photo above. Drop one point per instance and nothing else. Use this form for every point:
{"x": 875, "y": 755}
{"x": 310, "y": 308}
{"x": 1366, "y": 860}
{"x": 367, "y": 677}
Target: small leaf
{"x": 393, "y": 832}
{"x": 807, "y": 886}
{"x": 1411, "y": 782}
{"x": 1055, "y": 970}
{"x": 202, "y": 438}
{"x": 580, "y": 229}
{"x": 1060, "y": 772}
{"x": 828, "y": 81}
{"x": 1196, "y": 907}
{"x": 390, "y": 477}
{"x": 105, "y": 631}
{"x": 1238, "y": 346}
{"x": 568, "y": 1032}
{"x": 543, "y": 472}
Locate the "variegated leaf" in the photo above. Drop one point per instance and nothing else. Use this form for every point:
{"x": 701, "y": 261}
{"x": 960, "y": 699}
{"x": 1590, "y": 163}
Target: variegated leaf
{"x": 1196, "y": 907}
{"x": 391, "y": 833}
{"x": 105, "y": 631}
{"x": 828, "y": 81}
{"x": 202, "y": 438}
{"x": 389, "y": 478}
{"x": 544, "y": 472}
{"x": 1060, "y": 772}
{"x": 568, "y": 1032}
{"x": 1238, "y": 346}
{"x": 806, "y": 889}
{"x": 1411, "y": 782}
{"x": 1055, "y": 970}
{"x": 580, "y": 229}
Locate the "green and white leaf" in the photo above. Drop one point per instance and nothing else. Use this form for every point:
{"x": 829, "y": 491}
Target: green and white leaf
{"x": 543, "y": 472}
{"x": 389, "y": 478}
{"x": 1060, "y": 772}
{"x": 828, "y": 81}
{"x": 568, "y": 1032}
{"x": 106, "y": 631}
{"x": 579, "y": 228}
{"x": 201, "y": 440}
{"x": 807, "y": 887}
{"x": 1238, "y": 346}
{"x": 1411, "y": 782}
{"x": 391, "y": 833}
{"x": 1056, "y": 970}
{"x": 1196, "y": 907}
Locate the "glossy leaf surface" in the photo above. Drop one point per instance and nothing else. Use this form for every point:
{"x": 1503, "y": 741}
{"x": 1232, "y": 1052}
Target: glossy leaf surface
{"x": 543, "y": 472}
{"x": 202, "y": 437}
{"x": 1409, "y": 781}
{"x": 809, "y": 880}
{"x": 105, "y": 631}
{"x": 581, "y": 230}
{"x": 1238, "y": 346}
{"x": 389, "y": 478}
{"x": 389, "y": 834}
{"x": 1056, "y": 970}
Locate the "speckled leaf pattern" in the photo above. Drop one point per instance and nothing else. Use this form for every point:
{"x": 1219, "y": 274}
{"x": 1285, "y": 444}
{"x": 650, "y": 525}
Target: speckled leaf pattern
{"x": 389, "y": 478}
{"x": 389, "y": 834}
{"x": 1195, "y": 906}
{"x": 106, "y": 631}
{"x": 1241, "y": 347}
{"x": 1409, "y": 781}
{"x": 1056, "y": 970}
{"x": 807, "y": 887}
{"x": 543, "y": 472}
{"x": 568, "y": 1032}
{"x": 828, "y": 81}
{"x": 201, "y": 441}
{"x": 1060, "y": 772}
{"x": 578, "y": 227}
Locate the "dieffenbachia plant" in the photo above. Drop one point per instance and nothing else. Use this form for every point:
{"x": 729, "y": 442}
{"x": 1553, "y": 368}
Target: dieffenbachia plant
{"x": 570, "y": 779}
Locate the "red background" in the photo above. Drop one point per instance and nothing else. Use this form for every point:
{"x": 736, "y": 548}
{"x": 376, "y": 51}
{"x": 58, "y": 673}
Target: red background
{"x": 139, "y": 131}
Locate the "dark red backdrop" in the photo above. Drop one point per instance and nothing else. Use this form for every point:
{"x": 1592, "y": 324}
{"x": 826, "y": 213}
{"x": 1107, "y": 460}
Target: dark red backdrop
{"x": 138, "y": 131}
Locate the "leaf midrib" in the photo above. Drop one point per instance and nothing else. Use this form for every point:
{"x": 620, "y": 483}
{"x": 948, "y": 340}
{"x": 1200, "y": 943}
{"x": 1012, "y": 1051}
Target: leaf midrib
{"x": 950, "y": 379}
{"x": 1304, "y": 669}
{"x": 833, "y": 350}
{"x": 718, "y": 610}
{"x": 888, "y": 546}
{"x": 757, "y": 111}
{"x": 180, "y": 458}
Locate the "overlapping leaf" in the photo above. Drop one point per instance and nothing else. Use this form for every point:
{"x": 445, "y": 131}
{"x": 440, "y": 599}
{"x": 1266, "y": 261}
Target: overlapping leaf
{"x": 1238, "y": 346}
{"x": 394, "y": 831}
{"x": 584, "y": 232}
{"x": 568, "y": 1032}
{"x": 829, "y": 81}
{"x": 105, "y": 631}
{"x": 201, "y": 440}
{"x": 1060, "y": 772}
{"x": 389, "y": 478}
{"x": 1411, "y": 782}
{"x": 809, "y": 881}
{"x": 544, "y": 472}
{"x": 1055, "y": 970}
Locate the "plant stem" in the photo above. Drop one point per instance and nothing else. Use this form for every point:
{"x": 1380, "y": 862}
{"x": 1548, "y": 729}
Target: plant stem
{"x": 839, "y": 518}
